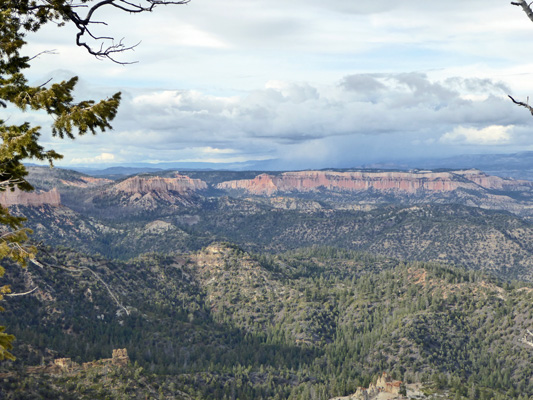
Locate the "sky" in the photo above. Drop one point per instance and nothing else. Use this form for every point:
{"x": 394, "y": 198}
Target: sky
{"x": 299, "y": 84}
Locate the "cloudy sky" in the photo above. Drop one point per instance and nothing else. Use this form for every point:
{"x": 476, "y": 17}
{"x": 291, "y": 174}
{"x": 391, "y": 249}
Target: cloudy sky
{"x": 302, "y": 84}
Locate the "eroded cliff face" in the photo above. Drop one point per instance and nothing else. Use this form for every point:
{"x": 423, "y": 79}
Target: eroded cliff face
{"x": 408, "y": 182}
{"x": 32, "y": 199}
{"x": 149, "y": 192}
{"x": 143, "y": 185}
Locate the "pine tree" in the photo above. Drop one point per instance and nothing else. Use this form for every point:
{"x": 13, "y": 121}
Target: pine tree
{"x": 69, "y": 117}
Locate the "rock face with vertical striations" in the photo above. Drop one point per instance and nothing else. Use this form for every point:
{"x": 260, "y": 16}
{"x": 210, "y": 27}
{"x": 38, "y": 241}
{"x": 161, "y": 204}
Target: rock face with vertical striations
{"x": 146, "y": 184}
{"x": 33, "y": 199}
{"x": 407, "y": 182}
{"x": 149, "y": 192}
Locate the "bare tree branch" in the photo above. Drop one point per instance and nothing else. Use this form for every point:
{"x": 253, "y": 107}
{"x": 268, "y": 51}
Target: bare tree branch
{"x": 522, "y": 104}
{"x": 21, "y": 294}
{"x": 82, "y": 16}
{"x": 526, "y": 7}
{"x": 41, "y": 53}
{"x": 108, "y": 52}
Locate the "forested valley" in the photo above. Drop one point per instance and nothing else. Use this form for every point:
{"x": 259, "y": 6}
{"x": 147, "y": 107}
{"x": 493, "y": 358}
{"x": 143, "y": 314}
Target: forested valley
{"x": 312, "y": 300}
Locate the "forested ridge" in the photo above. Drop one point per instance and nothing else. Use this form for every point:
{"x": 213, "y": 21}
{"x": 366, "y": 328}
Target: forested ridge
{"x": 223, "y": 322}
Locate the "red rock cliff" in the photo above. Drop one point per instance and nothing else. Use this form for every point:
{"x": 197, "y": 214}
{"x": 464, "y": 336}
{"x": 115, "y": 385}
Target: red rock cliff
{"x": 34, "y": 199}
{"x": 410, "y": 182}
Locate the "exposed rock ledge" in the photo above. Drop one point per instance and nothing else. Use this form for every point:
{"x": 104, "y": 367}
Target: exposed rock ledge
{"x": 384, "y": 389}
{"x": 409, "y": 182}
{"x": 33, "y": 199}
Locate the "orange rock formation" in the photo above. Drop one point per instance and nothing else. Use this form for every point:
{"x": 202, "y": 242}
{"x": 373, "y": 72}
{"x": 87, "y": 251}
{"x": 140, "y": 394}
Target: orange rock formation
{"x": 409, "y": 182}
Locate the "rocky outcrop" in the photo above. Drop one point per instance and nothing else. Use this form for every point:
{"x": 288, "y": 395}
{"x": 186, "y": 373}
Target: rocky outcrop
{"x": 150, "y": 192}
{"x": 146, "y": 184}
{"x": 33, "y": 199}
{"x": 119, "y": 358}
{"x": 384, "y": 388}
{"x": 408, "y": 182}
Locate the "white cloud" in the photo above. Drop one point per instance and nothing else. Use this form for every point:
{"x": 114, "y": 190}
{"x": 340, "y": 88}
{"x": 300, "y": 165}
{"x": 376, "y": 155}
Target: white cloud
{"x": 490, "y": 135}
{"x": 102, "y": 158}
{"x": 199, "y": 90}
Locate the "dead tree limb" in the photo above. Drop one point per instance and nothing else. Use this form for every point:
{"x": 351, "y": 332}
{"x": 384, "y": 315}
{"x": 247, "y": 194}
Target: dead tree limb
{"x": 21, "y": 294}
{"x": 82, "y": 15}
{"x": 522, "y": 104}
{"x": 526, "y": 7}
{"x": 525, "y": 340}
{"x": 109, "y": 51}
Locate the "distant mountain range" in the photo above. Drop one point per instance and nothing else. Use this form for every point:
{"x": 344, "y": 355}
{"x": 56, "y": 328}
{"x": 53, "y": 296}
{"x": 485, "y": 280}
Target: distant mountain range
{"x": 516, "y": 165}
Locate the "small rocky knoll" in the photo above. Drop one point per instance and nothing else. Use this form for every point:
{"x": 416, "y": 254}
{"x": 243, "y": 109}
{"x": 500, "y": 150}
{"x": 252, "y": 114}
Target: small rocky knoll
{"x": 33, "y": 199}
{"x": 385, "y": 388}
{"x": 408, "y": 182}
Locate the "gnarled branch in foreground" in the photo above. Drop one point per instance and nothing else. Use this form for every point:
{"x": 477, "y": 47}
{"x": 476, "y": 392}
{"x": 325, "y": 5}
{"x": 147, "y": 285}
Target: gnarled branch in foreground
{"x": 522, "y": 104}
{"x": 82, "y": 15}
{"x": 529, "y": 12}
{"x": 526, "y": 7}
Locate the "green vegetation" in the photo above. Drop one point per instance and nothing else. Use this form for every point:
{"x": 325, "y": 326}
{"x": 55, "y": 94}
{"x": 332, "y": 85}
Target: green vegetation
{"x": 68, "y": 118}
{"x": 221, "y": 322}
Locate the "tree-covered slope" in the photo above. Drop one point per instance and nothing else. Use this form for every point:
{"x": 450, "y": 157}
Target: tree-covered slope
{"x": 466, "y": 236}
{"x": 223, "y": 322}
